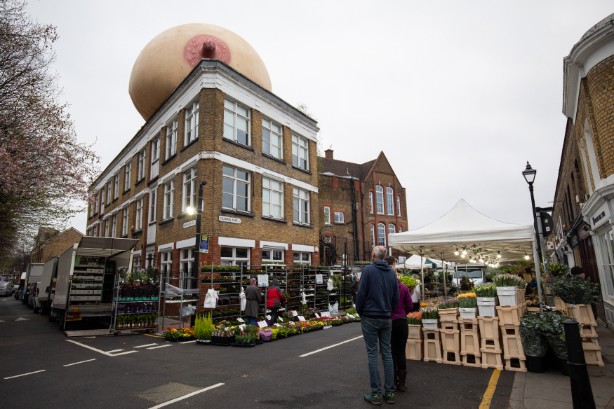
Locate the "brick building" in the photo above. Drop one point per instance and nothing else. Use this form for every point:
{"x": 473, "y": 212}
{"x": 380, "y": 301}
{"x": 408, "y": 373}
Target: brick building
{"x": 584, "y": 198}
{"x": 360, "y": 204}
{"x": 50, "y": 242}
{"x": 219, "y": 123}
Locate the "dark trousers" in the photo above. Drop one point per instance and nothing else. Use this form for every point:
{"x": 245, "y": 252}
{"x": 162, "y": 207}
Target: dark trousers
{"x": 398, "y": 341}
{"x": 274, "y": 314}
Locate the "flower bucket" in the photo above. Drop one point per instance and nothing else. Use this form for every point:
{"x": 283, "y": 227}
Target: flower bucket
{"x": 430, "y": 324}
{"x": 507, "y": 296}
{"x": 467, "y": 313}
{"x": 486, "y": 307}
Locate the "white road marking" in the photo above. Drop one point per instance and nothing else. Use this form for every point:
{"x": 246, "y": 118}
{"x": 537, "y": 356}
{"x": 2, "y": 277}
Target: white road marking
{"x": 25, "y": 374}
{"x": 80, "y": 362}
{"x": 100, "y": 351}
{"x": 170, "y": 402}
{"x": 114, "y": 351}
{"x": 21, "y": 319}
{"x": 146, "y": 345}
{"x": 329, "y": 347}
{"x": 160, "y": 346}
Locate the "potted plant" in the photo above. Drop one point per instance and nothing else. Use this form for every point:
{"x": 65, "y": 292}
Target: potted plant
{"x": 486, "y": 299}
{"x": 467, "y": 304}
{"x": 430, "y": 318}
{"x": 414, "y": 323}
{"x": 203, "y": 328}
{"x": 506, "y": 288}
{"x": 223, "y": 336}
{"x": 534, "y": 343}
{"x": 577, "y": 295}
{"x": 247, "y": 337}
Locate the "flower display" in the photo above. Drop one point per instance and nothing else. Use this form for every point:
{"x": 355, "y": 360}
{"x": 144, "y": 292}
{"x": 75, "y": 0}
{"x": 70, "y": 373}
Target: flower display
{"x": 486, "y": 290}
{"x": 174, "y": 334}
{"x": 467, "y": 300}
{"x": 429, "y": 313}
{"x": 414, "y": 318}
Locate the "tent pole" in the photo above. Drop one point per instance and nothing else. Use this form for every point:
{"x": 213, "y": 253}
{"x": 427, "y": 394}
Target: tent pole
{"x": 538, "y": 275}
{"x": 422, "y": 273}
{"x": 445, "y": 293}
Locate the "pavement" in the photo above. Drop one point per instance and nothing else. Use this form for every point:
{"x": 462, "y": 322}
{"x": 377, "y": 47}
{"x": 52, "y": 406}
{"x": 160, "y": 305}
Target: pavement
{"x": 552, "y": 389}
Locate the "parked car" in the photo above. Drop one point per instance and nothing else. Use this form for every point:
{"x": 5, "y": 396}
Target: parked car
{"x": 6, "y": 286}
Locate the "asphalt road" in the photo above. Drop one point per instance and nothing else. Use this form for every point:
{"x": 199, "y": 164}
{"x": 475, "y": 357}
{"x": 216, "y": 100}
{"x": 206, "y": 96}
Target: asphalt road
{"x": 41, "y": 368}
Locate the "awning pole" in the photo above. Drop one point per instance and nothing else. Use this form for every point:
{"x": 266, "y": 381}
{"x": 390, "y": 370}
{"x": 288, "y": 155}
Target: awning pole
{"x": 538, "y": 275}
{"x": 422, "y": 273}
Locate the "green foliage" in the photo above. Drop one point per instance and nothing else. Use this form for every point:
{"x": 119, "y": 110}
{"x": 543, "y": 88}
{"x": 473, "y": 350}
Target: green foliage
{"x": 557, "y": 270}
{"x": 486, "y": 290}
{"x": 574, "y": 290}
{"x": 429, "y": 313}
{"x": 203, "y": 326}
{"x": 448, "y": 304}
{"x": 509, "y": 280}
{"x": 534, "y": 327}
{"x": 409, "y": 281}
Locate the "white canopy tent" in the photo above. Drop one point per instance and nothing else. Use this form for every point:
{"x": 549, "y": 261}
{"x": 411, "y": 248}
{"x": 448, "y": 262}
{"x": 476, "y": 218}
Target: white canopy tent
{"x": 463, "y": 233}
{"x": 415, "y": 262}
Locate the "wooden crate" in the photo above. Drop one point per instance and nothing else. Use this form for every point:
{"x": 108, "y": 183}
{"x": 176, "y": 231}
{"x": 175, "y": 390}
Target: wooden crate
{"x": 470, "y": 342}
{"x": 492, "y": 360}
{"x": 414, "y": 331}
{"x": 592, "y": 353}
{"x": 450, "y": 346}
{"x": 413, "y": 349}
{"x": 471, "y": 360}
{"x": 512, "y": 345}
{"x": 588, "y": 332}
{"x": 515, "y": 364}
{"x": 432, "y": 346}
{"x": 583, "y": 313}
{"x": 489, "y": 328}
{"x": 510, "y": 315}
{"x": 448, "y": 315}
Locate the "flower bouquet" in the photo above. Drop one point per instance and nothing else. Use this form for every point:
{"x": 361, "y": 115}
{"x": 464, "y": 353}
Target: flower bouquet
{"x": 467, "y": 304}
{"x": 430, "y": 318}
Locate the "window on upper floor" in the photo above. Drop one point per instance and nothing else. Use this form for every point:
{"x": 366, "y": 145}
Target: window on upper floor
{"x": 102, "y": 199}
{"x": 300, "y": 205}
{"x": 379, "y": 197}
{"x": 188, "y": 196}
{"x": 370, "y": 202}
{"x": 138, "y": 215}
{"x": 170, "y": 148}
{"x": 186, "y": 261}
{"x": 155, "y": 158}
{"x": 116, "y": 186}
{"x": 109, "y": 192}
{"x": 272, "y": 141}
{"x": 114, "y": 225}
{"x": 391, "y": 228}
{"x": 300, "y": 152}
{"x": 107, "y": 227}
{"x": 399, "y": 206}
{"x": 236, "y": 189}
{"x": 236, "y": 123}
{"x": 272, "y": 198}
{"x": 339, "y": 217}
{"x": 125, "y": 222}
{"x": 127, "y": 175}
{"x": 381, "y": 234}
{"x": 169, "y": 200}
{"x": 390, "y": 200}
{"x": 372, "y": 236}
{"x": 153, "y": 201}
{"x": 140, "y": 171}
{"x": 327, "y": 219}
{"x": 191, "y": 124}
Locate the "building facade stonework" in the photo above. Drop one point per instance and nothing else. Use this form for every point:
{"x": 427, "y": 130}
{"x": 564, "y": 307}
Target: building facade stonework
{"x": 584, "y": 198}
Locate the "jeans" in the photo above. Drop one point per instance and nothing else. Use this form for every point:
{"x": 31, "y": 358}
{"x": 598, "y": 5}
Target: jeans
{"x": 398, "y": 341}
{"x": 251, "y": 320}
{"x": 377, "y": 331}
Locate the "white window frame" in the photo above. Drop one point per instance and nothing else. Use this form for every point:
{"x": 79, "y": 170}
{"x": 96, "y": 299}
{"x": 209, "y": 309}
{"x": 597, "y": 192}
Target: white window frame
{"x": 188, "y": 195}
{"x": 379, "y": 197}
{"x": 139, "y": 215}
{"x": 301, "y": 206}
{"x": 116, "y": 186}
{"x": 169, "y": 200}
{"x": 107, "y": 228}
{"x": 127, "y": 175}
{"x": 339, "y": 217}
{"x": 300, "y": 152}
{"x": 166, "y": 264}
{"x": 327, "y": 219}
{"x": 97, "y": 203}
{"x": 155, "y": 157}
{"x": 186, "y": 261}
{"x": 381, "y": 234}
{"x": 191, "y": 123}
{"x": 274, "y": 147}
{"x": 373, "y": 244}
{"x": 233, "y": 117}
{"x": 153, "y": 202}
{"x": 390, "y": 200}
{"x": 234, "y": 178}
{"x": 170, "y": 148}
{"x": 399, "y": 206}
{"x": 272, "y": 198}
{"x": 370, "y": 202}
{"x": 109, "y": 192}
{"x": 125, "y": 221}
{"x": 392, "y": 229}
{"x": 233, "y": 259}
{"x": 273, "y": 256}
{"x": 114, "y": 225}
{"x": 301, "y": 257}
{"x": 140, "y": 172}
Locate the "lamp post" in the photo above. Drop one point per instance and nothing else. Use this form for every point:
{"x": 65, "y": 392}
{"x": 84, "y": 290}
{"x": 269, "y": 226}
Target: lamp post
{"x": 199, "y": 214}
{"x": 529, "y": 175}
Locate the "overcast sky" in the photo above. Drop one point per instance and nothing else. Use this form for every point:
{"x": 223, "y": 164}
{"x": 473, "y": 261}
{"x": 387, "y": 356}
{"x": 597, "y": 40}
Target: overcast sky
{"x": 457, "y": 94}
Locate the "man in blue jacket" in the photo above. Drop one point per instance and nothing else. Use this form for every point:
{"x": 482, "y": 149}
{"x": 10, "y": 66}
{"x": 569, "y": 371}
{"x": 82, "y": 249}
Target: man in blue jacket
{"x": 377, "y": 297}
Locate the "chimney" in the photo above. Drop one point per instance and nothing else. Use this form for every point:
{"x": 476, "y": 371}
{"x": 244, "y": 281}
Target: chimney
{"x": 328, "y": 154}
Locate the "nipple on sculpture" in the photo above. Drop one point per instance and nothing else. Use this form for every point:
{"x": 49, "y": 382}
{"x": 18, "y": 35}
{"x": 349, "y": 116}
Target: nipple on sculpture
{"x": 208, "y": 49}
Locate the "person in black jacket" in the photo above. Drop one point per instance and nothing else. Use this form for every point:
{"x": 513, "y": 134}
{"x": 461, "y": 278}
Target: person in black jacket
{"x": 253, "y": 298}
{"x": 378, "y": 295}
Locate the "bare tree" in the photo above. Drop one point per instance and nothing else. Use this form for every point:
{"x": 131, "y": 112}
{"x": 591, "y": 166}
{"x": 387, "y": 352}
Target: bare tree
{"x": 44, "y": 169}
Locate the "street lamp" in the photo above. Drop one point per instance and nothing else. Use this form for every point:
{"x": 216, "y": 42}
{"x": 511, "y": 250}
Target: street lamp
{"x": 529, "y": 175}
{"x": 199, "y": 213}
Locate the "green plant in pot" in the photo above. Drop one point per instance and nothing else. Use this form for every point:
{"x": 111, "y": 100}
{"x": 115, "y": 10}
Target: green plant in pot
{"x": 573, "y": 290}
{"x": 203, "y": 327}
{"x": 531, "y": 334}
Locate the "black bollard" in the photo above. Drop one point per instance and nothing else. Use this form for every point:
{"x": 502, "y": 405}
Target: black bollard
{"x": 581, "y": 392}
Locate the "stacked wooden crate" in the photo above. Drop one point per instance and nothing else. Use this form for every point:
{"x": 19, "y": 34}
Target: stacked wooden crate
{"x": 432, "y": 345}
{"x": 470, "y": 343}
{"x": 450, "y": 336}
{"x": 490, "y": 344}
{"x": 413, "y": 348}
{"x": 509, "y": 321}
{"x": 583, "y": 313}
